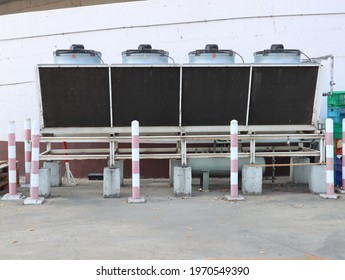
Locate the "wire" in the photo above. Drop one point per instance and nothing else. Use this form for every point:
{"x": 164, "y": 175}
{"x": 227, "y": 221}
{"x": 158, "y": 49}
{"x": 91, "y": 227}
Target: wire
{"x": 239, "y": 56}
{"x": 307, "y": 56}
{"x": 171, "y": 59}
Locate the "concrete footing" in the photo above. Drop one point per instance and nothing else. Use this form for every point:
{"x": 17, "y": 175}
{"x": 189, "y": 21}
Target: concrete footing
{"x": 111, "y": 182}
{"x": 44, "y": 182}
{"x": 136, "y": 200}
{"x": 205, "y": 180}
{"x": 328, "y": 196}
{"x": 119, "y": 164}
{"x": 317, "y": 178}
{"x": 182, "y": 181}
{"x": 17, "y": 196}
{"x": 172, "y": 164}
{"x": 252, "y": 180}
{"x": 300, "y": 174}
{"x": 55, "y": 172}
{"x": 234, "y": 198}
{"x": 313, "y": 175}
{"x": 31, "y": 201}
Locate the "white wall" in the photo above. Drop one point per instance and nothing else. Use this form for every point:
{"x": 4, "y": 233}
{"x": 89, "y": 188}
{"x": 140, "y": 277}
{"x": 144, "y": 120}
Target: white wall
{"x": 178, "y": 26}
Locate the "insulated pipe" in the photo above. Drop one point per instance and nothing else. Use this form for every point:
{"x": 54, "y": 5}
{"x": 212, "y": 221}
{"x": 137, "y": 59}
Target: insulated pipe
{"x": 35, "y": 160}
{"x": 234, "y": 159}
{"x": 343, "y": 157}
{"x": 135, "y": 161}
{"x": 27, "y": 149}
{"x": 329, "y": 158}
{"x": 12, "y": 168}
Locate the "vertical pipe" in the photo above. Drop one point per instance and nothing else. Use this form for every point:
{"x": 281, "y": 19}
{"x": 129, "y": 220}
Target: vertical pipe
{"x": 234, "y": 159}
{"x": 183, "y": 152}
{"x": 343, "y": 157}
{"x": 27, "y": 149}
{"x": 35, "y": 159}
{"x": 12, "y": 165}
{"x": 135, "y": 161}
{"x": 329, "y": 158}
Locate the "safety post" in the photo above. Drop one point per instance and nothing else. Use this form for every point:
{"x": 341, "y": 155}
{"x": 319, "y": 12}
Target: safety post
{"x": 234, "y": 162}
{"x": 329, "y": 161}
{"x": 136, "y": 198}
{"x": 27, "y": 149}
{"x": 12, "y": 159}
{"x": 342, "y": 190}
{"x": 35, "y": 165}
{"x": 12, "y": 164}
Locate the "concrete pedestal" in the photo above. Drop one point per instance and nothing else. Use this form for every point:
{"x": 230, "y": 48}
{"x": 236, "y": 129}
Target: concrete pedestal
{"x": 55, "y": 172}
{"x": 119, "y": 164}
{"x": 182, "y": 181}
{"x": 111, "y": 182}
{"x": 17, "y": 196}
{"x": 30, "y": 201}
{"x": 232, "y": 198}
{"x": 317, "y": 179}
{"x": 205, "y": 181}
{"x": 328, "y": 196}
{"x": 136, "y": 200}
{"x": 172, "y": 164}
{"x": 252, "y": 180}
{"x": 44, "y": 182}
{"x": 300, "y": 174}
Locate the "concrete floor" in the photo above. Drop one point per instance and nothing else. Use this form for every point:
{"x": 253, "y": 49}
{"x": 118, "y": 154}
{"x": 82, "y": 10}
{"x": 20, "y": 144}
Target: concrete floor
{"x": 286, "y": 222}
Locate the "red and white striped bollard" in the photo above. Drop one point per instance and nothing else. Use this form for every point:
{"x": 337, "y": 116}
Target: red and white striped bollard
{"x": 135, "y": 165}
{"x": 27, "y": 149}
{"x": 35, "y": 160}
{"x": 12, "y": 159}
{"x": 234, "y": 158}
{"x": 329, "y": 157}
{"x": 234, "y": 162}
{"x": 343, "y": 157}
{"x": 329, "y": 161}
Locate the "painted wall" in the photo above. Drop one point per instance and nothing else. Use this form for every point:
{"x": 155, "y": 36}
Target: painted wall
{"x": 315, "y": 27}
